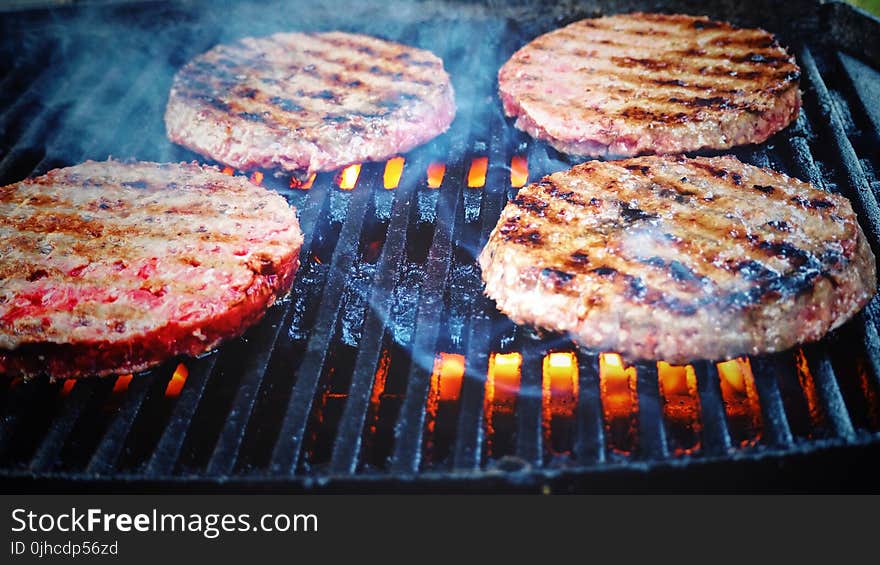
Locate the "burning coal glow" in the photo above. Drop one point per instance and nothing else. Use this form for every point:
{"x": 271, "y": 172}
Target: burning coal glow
{"x": 393, "y": 170}
{"x": 477, "y": 173}
{"x": 257, "y": 178}
{"x": 436, "y": 172}
{"x": 519, "y": 171}
{"x": 228, "y": 171}
{"x": 348, "y": 177}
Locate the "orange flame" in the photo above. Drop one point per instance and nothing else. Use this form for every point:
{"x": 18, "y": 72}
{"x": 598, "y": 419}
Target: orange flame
{"x": 436, "y": 171}
{"x": 67, "y": 386}
{"x": 740, "y": 399}
{"x": 502, "y": 384}
{"x": 681, "y": 405}
{"x": 447, "y": 377}
{"x": 121, "y": 384}
{"x": 257, "y": 178}
{"x": 296, "y": 183}
{"x": 348, "y": 177}
{"x": 477, "y": 173}
{"x": 559, "y": 396}
{"x": 519, "y": 171}
{"x": 446, "y": 381}
{"x": 560, "y": 383}
{"x": 379, "y": 388}
{"x": 808, "y": 385}
{"x": 502, "y": 389}
{"x": 178, "y": 379}
{"x": 227, "y": 171}
{"x": 393, "y": 170}
{"x": 617, "y": 385}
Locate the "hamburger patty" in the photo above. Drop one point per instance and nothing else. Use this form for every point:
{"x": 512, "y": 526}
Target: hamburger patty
{"x": 111, "y": 268}
{"x": 639, "y": 83}
{"x": 305, "y": 102}
{"x": 679, "y": 259}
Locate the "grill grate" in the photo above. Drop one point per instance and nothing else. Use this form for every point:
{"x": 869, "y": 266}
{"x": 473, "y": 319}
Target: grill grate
{"x": 343, "y": 383}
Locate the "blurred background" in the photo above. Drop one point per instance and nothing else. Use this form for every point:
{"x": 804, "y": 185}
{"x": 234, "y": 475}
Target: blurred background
{"x": 872, "y": 6}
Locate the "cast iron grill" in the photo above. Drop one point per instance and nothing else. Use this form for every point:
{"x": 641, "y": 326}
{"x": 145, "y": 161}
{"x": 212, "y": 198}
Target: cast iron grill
{"x": 386, "y": 367}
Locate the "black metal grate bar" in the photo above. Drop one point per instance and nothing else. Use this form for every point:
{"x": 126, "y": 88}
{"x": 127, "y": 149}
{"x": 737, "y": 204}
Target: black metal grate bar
{"x": 871, "y": 341}
{"x": 411, "y": 419}
{"x": 716, "y": 436}
{"x": 167, "y": 450}
{"x": 776, "y": 429}
{"x": 47, "y": 454}
{"x": 589, "y": 444}
{"x": 107, "y": 453}
{"x": 470, "y": 430}
{"x": 287, "y": 448}
{"x": 652, "y": 431}
{"x": 866, "y": 92}
{"x": 348, "y": 439}
{"x": 829, "y": 393}
{"x": 226, "y": 450}
{"x": 860, "y": 189}
{"x": 528, "y": 407}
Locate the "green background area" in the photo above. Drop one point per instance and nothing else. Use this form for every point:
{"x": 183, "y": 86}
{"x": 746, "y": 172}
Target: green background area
{"x": 872, "y": 6}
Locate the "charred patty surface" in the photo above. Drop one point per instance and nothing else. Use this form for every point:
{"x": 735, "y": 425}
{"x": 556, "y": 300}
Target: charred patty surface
{"x": 639, "y": 83}
{"x": 305, "y": 102}
{"x": 111, "y": 267}
{"x": 679, "y": 259}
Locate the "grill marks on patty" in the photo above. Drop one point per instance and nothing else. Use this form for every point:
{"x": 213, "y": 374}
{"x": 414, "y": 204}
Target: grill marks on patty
{"x": 325, "y": 82}
{"x": 678, "y": 259}
{"x": 641, "y": 83}
{"x": 112, "y": 267}
{"x": 334, "y": 90}
{"x": 691, "y": 212}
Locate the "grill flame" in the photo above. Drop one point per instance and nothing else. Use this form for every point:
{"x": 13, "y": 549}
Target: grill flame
{"x": 502, "y": 389}
{"x": 447, "y": 377}
{"x": 559, "y": 399}
{"x": 519, "y": 171}
{"x": 121, "y": 384}
{"x": 681, "y": 405}
{"x": 303, "y": 185}
{"x": 348, "y": 177}
{"x": 67, "y": 386}
{"x": 436, "y": 172}
{"x": 617, "y": 385}
{"x": 393, "y": 171}
{"x": 740, "y": 400}
{"x": 178, "y": 379}
{"x": 477, "y": 174}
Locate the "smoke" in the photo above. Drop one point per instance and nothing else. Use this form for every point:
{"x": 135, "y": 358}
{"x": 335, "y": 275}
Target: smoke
{"x": 104, "y": 73}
